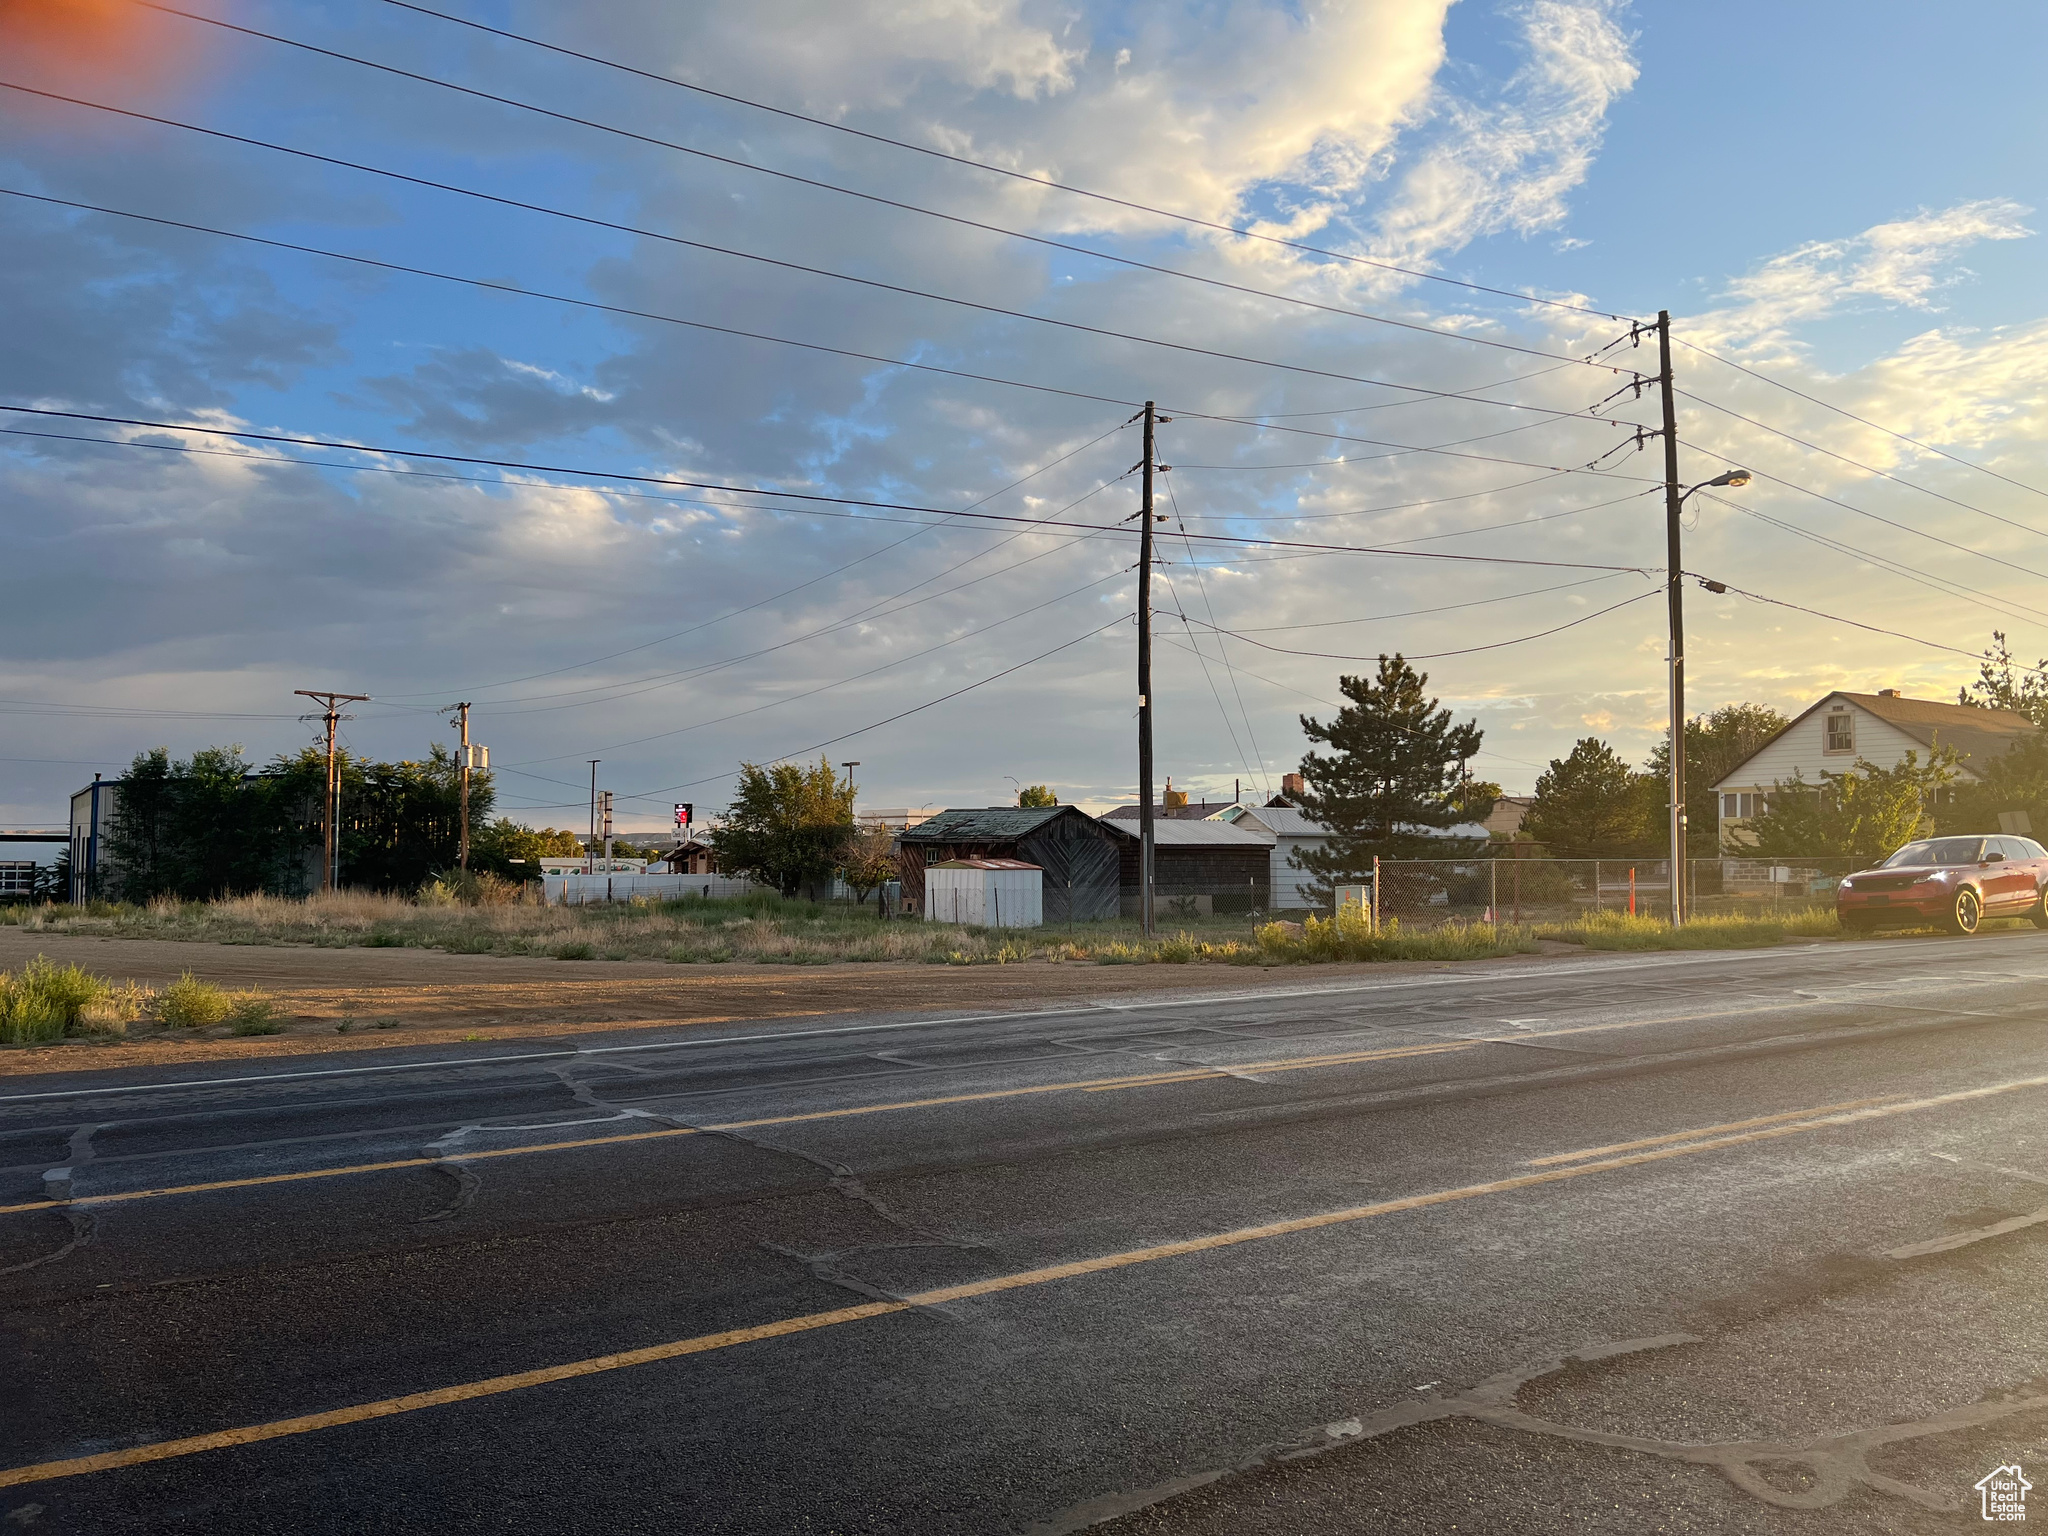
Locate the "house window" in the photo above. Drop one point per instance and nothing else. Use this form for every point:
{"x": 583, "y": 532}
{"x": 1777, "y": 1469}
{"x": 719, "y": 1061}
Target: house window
{"x": 1743, "y": 804}
{"x": 1841, "y": 732}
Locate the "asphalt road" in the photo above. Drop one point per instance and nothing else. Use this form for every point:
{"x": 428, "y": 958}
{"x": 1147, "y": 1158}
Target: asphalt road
{"x": 1693, "y": 1242}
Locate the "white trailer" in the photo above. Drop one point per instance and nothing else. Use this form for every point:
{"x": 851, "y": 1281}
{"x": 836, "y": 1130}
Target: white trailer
{"x": 986, "y": 893}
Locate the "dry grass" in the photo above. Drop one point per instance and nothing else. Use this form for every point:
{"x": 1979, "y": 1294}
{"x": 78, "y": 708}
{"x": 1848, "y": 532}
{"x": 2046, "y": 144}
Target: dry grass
{"x": 761, "y": 928}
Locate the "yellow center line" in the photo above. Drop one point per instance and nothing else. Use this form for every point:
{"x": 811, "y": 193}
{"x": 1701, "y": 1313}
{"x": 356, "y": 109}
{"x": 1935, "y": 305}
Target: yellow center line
{"x": 1705, "y": 1130}
{"x": 251, "y": 1434}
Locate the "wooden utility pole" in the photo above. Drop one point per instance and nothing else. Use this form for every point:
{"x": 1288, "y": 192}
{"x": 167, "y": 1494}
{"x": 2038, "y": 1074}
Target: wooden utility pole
{"x": 330, "y": 811}
{"x": 1145, "y": 515}
{"x": 461, "y": 713}
{"x": 1674, "y": 506}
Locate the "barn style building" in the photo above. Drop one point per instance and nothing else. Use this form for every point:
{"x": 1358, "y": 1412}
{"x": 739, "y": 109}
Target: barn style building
{"x": 1077, "y": 853}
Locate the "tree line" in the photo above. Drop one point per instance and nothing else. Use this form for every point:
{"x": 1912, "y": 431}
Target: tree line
{"x": 214, "y": 825}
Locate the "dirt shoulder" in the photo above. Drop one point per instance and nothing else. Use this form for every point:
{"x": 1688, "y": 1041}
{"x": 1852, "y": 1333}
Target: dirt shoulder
{"x": 429, "y": 997}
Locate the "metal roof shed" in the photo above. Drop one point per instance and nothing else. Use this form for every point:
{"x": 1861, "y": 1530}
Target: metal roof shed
{"x": 988, "y": 893}
{"x": 1077, "y": 854}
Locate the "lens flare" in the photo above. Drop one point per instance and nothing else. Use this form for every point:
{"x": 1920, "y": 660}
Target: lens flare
{"x": 108, "y": 48}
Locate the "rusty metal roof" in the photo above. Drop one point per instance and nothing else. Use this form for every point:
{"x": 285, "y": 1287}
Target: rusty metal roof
{"x": 987, "y": 824}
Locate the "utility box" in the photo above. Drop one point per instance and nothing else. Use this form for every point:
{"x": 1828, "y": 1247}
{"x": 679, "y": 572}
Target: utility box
{"x": 987, "y": 893}
{"x": 1357, "y": 898}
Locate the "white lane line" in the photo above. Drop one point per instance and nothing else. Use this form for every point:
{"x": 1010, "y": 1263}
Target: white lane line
{"x": 1627, "y": 963}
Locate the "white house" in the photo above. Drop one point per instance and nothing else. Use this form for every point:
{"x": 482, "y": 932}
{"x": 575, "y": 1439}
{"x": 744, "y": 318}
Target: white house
{"x": 1288, "y": 829}
{"x": 1880, "y": 728}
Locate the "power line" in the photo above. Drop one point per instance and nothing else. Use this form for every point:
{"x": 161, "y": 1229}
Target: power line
{"x": 787, "y": 591}
{"x": 637, "y": 741}
{"x": 1376, "y": 618}
{"x": 508, "y": 202}
{"x": 1868, "y": 469}
{"x": 1990, "y": 602}
{"x": 800, "y": 496}
{"x": 976, "y": 305}
{"x": 1439, "y": 655}
{"x": 1222, "y": 650}
{"x": 833, "y": 741}
{"x": 1058, "y": 186}
{"x": 1836, "y": 618}
{"x": 1860, "y": 420}
{"x": 1274, "y": 682}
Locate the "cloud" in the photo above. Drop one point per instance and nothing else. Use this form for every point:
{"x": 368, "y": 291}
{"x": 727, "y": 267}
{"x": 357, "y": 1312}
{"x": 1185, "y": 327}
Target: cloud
{"x": 1902, "y": 264}
{"x": 1505, "y": 162}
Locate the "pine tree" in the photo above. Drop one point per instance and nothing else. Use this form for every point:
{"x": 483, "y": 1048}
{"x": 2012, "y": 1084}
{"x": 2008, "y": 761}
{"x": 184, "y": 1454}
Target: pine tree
{"x": 1588, "y": 805}
{"x": 1394, "y": 775}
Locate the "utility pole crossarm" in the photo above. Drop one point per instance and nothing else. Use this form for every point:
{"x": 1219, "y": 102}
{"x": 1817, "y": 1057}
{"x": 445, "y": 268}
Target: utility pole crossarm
{"x": 330, "y": 811}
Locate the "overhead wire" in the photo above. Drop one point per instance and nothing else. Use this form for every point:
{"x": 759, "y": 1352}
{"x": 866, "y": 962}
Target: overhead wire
{"x": 1869, "y": 469}
{"x": 1222, "y": 650}
{"x": 1469, "y": 650}
{"x": 1241, "y": 288}
{"x": 806, "y": 497}
{"x": 1836, "y": 618}
{"x": 1990, "y": 602}
{"x": 1003, "y": 171}
{"x": 1080, "y": 327}
{"x": 833, "y": 741}
{"x": 1915, "y": 442}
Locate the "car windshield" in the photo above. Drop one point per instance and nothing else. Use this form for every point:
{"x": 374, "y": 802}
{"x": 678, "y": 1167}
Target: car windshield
{"x": 1941, "y": 850}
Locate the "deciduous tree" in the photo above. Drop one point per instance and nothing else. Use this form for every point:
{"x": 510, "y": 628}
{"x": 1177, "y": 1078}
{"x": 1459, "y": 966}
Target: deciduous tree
{"x": 1867, "y": 812}
{"x": 786, "y": 824}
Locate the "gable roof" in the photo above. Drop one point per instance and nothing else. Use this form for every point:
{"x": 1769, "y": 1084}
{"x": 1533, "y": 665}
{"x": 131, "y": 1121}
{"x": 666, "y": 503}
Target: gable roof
{"x": 1281, "y": 820}
{"x": 1194, "y": 810}
{"x": 1976, "y": 733}
{"x": 1193, "y": 834}
{"x": 987, "y": 824}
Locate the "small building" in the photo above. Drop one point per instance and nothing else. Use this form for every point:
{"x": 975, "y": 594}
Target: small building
{"x": 1881, "y": 728}
{"x": 987, "y": 893}
{"x": 692, "y": 856}
{"x": 1199, "y": 866}
{"x": 1285, "y": 829}
{"x": 1076, "y": 853}
{"x": 1505, "y": 819}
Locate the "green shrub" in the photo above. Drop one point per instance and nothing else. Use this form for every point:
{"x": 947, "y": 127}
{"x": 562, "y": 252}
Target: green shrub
{"x": 255, "y": 1014}
{"x": 189, "y": 1003}
{"x": 577, "y": 950}
{"x": 47, "y": 1001}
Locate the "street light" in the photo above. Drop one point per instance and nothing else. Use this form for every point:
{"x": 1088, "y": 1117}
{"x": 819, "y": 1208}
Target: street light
{"x": 1675, "y": 507}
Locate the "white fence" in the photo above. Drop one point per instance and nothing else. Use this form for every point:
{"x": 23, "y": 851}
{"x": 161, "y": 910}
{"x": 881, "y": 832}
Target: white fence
{"x": 583, "y": 890}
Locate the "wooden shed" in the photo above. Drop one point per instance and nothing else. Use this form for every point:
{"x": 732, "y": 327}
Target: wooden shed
{"x": 1212, "y": 865}
{"x": 1077, "y": 853}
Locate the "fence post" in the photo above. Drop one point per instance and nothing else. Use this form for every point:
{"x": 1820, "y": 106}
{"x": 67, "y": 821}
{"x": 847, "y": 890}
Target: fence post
{"x": 1596, "y": 886}
{"x": 1375, "y": 893}
{"x": 1493, "y": 893}
{"x": 1631, "y": 890}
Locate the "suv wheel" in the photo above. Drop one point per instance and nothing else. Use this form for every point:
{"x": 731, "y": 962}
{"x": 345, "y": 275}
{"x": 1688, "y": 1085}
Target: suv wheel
{"x": 1965, "y": 914}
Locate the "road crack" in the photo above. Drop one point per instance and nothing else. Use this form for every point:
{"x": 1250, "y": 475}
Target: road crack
{"x": 1829, "y": 1467}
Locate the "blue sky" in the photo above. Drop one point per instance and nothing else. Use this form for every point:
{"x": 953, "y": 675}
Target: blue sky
{"x": 1842, "y": 197}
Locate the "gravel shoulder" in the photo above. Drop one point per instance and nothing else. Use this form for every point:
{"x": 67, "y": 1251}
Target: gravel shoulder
{"x": 436, "y": 998}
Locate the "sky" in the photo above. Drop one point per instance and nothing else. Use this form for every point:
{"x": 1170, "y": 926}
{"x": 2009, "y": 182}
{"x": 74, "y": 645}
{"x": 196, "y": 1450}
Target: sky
{"x": 1837, "y": 205}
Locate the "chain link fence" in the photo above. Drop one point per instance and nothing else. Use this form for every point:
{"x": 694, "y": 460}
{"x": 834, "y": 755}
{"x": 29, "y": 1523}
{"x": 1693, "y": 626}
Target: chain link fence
{"x": 1421, "y": 892}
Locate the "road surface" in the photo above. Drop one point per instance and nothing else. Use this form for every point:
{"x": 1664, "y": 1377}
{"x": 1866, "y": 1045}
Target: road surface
{"x": 1677, "y": 1242}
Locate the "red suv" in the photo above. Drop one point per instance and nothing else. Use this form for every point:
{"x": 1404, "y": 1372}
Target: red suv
{"x": 1956, "y": 882}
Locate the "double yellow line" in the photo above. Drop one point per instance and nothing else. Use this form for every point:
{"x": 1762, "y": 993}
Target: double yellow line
{"x": 1696, "y": 1141}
